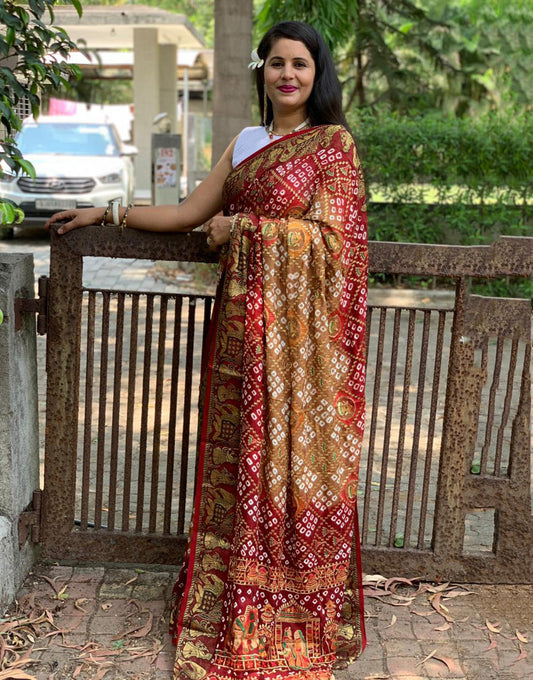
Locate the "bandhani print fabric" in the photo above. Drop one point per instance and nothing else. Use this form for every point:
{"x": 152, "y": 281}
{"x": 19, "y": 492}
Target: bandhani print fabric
{"x": 270, "y": 588}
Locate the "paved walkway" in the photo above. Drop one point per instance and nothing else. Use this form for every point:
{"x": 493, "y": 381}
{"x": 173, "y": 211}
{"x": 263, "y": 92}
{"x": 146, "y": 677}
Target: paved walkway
{"x": 111, "y": 623}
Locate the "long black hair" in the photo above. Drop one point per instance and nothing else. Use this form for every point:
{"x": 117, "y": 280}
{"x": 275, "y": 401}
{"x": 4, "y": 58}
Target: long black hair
{"x": 324, "y": 105}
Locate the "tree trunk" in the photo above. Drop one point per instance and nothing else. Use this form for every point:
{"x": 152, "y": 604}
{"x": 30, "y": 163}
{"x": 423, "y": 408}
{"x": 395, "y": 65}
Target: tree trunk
{"x": 359, "y": 83}
{"x": 232, "y": 86}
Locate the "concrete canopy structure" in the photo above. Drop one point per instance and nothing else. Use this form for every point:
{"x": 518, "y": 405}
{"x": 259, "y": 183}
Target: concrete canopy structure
{"x": 154, "y": 35}
{"x": 113, "y": 28}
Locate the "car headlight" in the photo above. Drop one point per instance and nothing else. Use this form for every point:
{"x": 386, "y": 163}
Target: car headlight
{"x": 112, "y": 178}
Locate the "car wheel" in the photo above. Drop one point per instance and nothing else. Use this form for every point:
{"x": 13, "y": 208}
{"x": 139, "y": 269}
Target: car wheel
{"x": 6, "y": 233}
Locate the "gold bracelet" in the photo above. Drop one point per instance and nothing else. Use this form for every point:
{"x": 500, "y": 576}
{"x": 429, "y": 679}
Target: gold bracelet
{"x": 102, "y": 223}
{"x": 124, "y": 218}
{"x": 234, "y": 223}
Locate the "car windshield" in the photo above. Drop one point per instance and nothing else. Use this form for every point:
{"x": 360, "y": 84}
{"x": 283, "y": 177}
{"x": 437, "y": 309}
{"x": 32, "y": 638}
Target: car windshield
{"x": 72, "y": 139}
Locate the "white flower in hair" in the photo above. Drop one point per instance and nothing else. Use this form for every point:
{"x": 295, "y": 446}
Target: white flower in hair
{"x": 256, "y": 61}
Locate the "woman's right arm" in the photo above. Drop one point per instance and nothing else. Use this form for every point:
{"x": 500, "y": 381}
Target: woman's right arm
{"x": 202, "y": 204}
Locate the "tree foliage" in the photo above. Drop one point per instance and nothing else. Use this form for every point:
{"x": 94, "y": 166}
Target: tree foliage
{"x": 493, "y": 41}
{"x": 462, "y": 57}
{"x": 32, "y": 54}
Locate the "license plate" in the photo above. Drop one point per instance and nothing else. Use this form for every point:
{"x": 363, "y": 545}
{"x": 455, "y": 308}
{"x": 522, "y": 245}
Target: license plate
{"x": 54, "y": 204}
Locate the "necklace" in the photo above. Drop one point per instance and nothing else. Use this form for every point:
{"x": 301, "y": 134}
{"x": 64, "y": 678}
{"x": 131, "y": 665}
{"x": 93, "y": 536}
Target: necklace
{"x": 272, "y": 134}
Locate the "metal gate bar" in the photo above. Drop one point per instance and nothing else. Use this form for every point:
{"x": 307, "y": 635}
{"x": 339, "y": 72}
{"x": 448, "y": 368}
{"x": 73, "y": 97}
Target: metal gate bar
{"x": 448, "y": 440}
{"x": 107, "y": 461}
{"x": 396, "y": 429}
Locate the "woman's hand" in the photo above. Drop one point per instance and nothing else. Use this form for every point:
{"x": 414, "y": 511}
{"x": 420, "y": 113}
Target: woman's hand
{"x": 82, "y": 217}
{"x": 218, "y": 230}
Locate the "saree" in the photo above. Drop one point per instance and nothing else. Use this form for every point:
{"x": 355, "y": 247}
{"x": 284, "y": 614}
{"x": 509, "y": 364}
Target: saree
{"x": 270, "y": 586}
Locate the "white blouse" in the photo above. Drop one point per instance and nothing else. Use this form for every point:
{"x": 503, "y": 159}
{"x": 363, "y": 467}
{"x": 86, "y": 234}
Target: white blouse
{"x": 250, "y": 140}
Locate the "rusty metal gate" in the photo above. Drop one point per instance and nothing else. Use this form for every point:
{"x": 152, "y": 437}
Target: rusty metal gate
{"x": 445, "y": 475}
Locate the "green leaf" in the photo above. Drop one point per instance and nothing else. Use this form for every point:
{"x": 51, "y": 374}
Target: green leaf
{"x": 475, "y": 468}
{"x": 7, "y": 213}
{"x": 24, "y": 16}
{"x": 78, "y": 7}
{"x": 405, "y": 28}
{"x": 399, "y": 541}
{"x": 19, "y": 215}
{"x": 26, "y": 167}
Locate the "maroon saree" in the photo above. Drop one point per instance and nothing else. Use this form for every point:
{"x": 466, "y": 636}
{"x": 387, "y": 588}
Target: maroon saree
{"x": 271, "y": 582}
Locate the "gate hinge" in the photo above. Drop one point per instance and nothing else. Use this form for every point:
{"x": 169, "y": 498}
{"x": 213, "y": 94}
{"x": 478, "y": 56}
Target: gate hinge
{"x": 38, "y": 306}
{"x": 30, "y": 521}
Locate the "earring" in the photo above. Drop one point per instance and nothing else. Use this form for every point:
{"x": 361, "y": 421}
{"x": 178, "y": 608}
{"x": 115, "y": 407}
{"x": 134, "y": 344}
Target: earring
{"x": 265, "y": 106}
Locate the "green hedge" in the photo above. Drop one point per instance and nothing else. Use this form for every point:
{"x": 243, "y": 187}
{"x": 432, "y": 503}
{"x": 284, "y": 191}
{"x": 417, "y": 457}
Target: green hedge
{"x": 442, "y": 180}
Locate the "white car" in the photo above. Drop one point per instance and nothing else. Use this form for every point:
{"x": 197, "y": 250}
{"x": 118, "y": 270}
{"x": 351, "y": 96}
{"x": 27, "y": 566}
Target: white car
{"x": 78, "y": 164}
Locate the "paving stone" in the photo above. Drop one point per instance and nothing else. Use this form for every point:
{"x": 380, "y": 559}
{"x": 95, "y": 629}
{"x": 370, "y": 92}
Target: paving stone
{"x": 406, "y": 648}
{"x": 140, "y": 665}
{"x": 361, "y": 669}
{"x": 74, "y": 624}
{"x": 121, "y": 576}
{"x": 60, "y": 573}
{"x": 374, "y": 648}
{"x": 470, "y": 630}
{"x": 472, "y": 649}
{"x": 424, "y": 630}
{"x": 437, "y": 669}
{"x": 106, "y": 625}
{"x": 508, "y": 659}
{"x": 157, "y": 607}
{"x": 482, "y": 669}
{"x": 95, "y": 573}
{"x": 149, "y": 592}
{"x": 402, "y": 666}
{"x": 165, "y": 661}
{"x": 114, "y": 591}
{"x": 400, "y": 630}
{"x": 163, "y": 675}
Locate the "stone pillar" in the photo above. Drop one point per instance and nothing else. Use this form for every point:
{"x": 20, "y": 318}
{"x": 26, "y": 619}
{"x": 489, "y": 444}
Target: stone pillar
{"x": 168, "y": 83}
{"x": 19, "y": 422}
{"x": 146, "y": 101}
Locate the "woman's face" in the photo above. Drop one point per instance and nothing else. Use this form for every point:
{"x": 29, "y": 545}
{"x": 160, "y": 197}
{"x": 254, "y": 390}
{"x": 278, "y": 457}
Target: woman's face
{"x": 289, "y": 76}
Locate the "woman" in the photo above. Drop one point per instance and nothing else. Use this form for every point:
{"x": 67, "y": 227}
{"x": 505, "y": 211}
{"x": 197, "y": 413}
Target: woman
{"x": 273, "y": 549}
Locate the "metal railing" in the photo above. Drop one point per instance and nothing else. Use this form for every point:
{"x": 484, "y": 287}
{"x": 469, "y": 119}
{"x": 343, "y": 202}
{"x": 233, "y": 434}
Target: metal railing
{"x": 445, "y": 473}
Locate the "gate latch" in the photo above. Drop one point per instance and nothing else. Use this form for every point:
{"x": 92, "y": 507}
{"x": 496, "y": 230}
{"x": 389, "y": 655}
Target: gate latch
{"x": 30, "y": 521}
{"x": 38, "y": 306}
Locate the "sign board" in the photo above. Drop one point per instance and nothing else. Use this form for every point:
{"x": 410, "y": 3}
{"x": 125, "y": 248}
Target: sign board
{"x": 166, "y": 168}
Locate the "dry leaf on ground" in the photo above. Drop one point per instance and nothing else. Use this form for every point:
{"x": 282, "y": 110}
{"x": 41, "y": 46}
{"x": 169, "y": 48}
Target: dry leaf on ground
{"x": 523, "y": 654}
{"x": 452, "y": 665}
{"x": 493, "y": 627}
{"x": 78, "y": 604}
{"x": 392, "y": 621}
{"x": 493, "y": 643}
{"x": 445, "y": 626}
{"x": 15, "y": 675}
{"x": 429, "y": 656}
